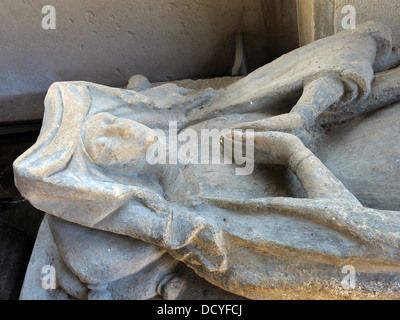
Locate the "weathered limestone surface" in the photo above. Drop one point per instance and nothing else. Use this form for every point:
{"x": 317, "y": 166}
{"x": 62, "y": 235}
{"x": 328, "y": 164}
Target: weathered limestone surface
{"x": 317, "y": 199}
{"x": 45, "y": 253}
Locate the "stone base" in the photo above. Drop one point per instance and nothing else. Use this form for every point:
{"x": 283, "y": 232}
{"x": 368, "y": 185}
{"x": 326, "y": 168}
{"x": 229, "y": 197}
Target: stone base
{"x": 44, "y": 253}
{"x": 69, "y": 287}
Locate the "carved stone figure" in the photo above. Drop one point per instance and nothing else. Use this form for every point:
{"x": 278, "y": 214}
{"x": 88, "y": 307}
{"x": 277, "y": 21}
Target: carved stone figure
{"x": 323, "y": 193}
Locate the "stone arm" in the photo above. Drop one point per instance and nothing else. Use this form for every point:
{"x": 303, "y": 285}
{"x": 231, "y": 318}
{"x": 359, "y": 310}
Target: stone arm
{"x": 327, "y": 93}
{"x": 278, "y": 148}
{"x": 317, "y": 96}
{"x": 329, "y": 201}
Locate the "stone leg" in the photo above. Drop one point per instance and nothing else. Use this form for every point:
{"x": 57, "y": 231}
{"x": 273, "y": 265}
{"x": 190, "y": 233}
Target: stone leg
{"x": 113, "y": 266}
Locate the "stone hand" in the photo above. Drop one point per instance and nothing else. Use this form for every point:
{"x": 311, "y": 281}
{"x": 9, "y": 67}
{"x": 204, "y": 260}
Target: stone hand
{"x": 317, "y": 96}
{"x": 271, "y": 147}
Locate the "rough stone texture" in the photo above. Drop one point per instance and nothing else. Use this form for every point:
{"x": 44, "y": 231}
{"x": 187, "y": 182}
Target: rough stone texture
{"x": 160, "y": 280}
{"x": 349, "y": 145}
{"x": 283, "y": 231}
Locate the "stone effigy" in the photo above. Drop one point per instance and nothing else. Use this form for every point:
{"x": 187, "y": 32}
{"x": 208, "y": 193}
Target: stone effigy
{"x": 134, "y": 217}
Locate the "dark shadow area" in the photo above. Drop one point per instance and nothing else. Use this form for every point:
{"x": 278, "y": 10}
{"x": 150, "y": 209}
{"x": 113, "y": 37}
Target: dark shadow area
{"x": 19, "y": 220}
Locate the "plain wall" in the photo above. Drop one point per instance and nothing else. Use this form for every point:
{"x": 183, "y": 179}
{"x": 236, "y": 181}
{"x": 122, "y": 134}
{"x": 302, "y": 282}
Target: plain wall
{"x": 385, "y": 11}
{"x": 108, "y": 41}
{"x": 320, "y": 18}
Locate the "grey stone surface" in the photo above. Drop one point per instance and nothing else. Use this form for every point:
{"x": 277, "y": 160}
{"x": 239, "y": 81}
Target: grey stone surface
{"x": 44, "y": 253}
{"x": 284, "y": 230}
